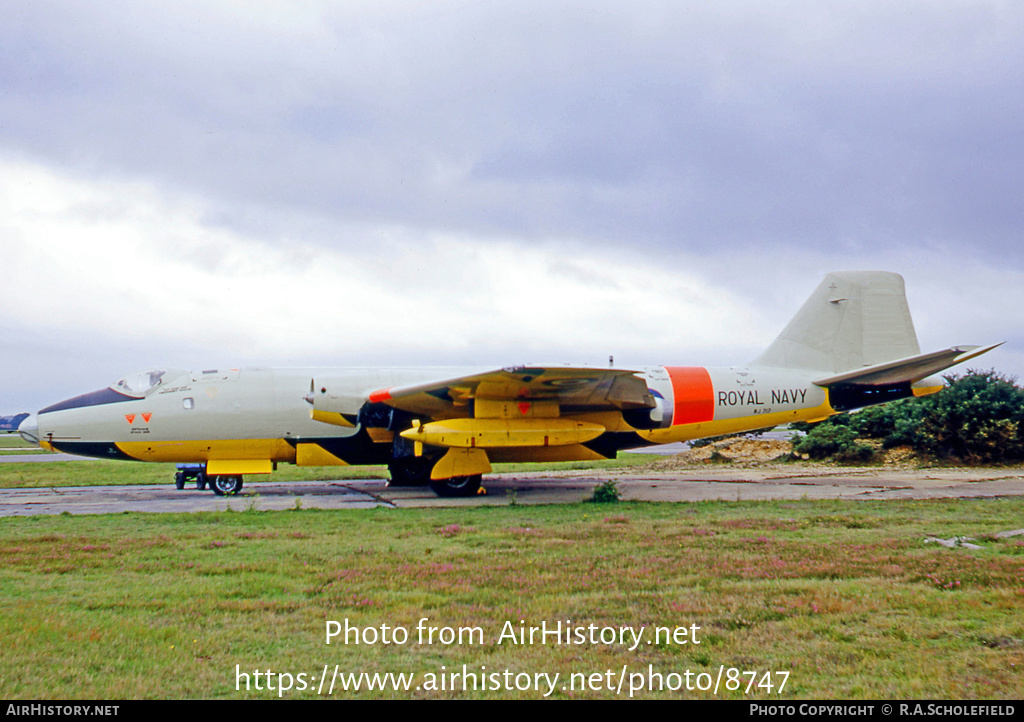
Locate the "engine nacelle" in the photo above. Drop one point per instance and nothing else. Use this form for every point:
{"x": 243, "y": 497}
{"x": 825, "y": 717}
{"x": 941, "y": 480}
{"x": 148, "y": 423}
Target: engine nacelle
{"x": 340, "y": 409}
{"x": 647, "y": 419}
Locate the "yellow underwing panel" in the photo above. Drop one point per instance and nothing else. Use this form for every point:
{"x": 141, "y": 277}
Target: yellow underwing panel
{"x": 460, "y": 395}
{"x": 315, "y": 455}
{"x": 515, "y": 409}
{"x": 219, "y": 467}
{"x": 488, "y": 433}
{"x": 461, "y": 462}
{"x": 507, "y": 387}
{"x": 330, "y": 417}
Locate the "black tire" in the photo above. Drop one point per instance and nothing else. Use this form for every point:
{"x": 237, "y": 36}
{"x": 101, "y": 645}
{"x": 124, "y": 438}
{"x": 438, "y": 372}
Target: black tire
{"x": 179, "y": 481}
{"x": 410, "y": 471}
{"x": 225, "y": 485}
{"x": 201, "y": 481}
{"x": 457, "y": 486}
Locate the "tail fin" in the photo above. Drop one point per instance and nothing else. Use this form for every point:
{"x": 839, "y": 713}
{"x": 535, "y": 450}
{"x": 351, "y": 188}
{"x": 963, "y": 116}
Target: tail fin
{"x": 853, "y": 319}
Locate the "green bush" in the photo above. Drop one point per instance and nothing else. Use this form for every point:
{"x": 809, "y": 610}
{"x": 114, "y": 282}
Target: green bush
{"x": 832, "y": 440}
{"x": 978, "y": 418}
{"x": 606, "y": 492}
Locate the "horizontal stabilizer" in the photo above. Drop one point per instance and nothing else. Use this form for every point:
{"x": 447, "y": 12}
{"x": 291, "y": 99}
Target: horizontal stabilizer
{"x": 907, "y": 370}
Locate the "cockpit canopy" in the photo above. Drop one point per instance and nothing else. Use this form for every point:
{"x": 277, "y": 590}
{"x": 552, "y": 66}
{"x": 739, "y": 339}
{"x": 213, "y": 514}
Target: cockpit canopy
{"x": 141, "y": 383}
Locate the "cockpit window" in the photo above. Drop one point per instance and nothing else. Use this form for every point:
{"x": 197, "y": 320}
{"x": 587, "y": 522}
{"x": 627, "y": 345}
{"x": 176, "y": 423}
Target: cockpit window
{"x": 141, "y": 383}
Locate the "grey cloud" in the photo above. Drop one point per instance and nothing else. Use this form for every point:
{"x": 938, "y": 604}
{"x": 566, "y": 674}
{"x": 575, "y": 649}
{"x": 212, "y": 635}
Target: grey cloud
{"x": 720, "y": 130}
{"x": 732, "y": 124}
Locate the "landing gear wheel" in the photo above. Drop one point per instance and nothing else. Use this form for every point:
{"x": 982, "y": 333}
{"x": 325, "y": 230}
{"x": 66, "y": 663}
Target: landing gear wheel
{"x": 179, "y": 481}
{"x": 457, "y": 485}
{"x": 225, "y": 485}
{"x": 410, "y": 471}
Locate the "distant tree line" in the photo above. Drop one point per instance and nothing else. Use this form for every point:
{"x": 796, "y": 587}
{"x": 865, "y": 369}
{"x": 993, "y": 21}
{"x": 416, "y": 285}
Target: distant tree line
{"x": 977, "y": 419}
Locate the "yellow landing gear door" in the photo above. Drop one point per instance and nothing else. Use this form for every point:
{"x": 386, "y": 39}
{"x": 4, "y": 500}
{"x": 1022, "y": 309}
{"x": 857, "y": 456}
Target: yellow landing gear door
{"x": 461, "y": 462}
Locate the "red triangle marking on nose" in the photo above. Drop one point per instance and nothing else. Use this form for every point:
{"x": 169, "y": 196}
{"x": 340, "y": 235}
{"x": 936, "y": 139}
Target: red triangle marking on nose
{"x": 524, "y": 406}
{"x": 146, "y": 417}
{"x": 130, "y": 417}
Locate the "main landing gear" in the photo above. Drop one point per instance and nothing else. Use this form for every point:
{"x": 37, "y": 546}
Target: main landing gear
{"x": 410, "y": 470}
{"x": 225, "y": 485}
{"x": 222, "y": 485}
{"x": 457, "y": 485}
{"x": 415, "y": 471}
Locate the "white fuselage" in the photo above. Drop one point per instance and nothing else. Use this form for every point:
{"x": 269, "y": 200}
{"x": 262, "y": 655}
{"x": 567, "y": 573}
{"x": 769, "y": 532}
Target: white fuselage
{"x": 259, "y": 413}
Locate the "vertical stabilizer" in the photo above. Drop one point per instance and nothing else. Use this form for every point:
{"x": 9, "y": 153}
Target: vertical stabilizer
{"x": 853, "y": 319}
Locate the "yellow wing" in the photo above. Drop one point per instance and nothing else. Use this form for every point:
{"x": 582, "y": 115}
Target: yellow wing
{"x": 557, "y": 389}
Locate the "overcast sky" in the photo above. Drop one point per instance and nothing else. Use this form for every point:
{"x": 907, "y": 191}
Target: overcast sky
{"x": 194, "y": 184}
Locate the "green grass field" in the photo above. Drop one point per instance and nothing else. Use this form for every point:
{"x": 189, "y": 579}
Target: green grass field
{"x": 844, "y": 597}
{"x": 13, "y": 442}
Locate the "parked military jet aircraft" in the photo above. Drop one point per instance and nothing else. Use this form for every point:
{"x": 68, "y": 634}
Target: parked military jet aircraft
{"x": 852, "y": 344}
